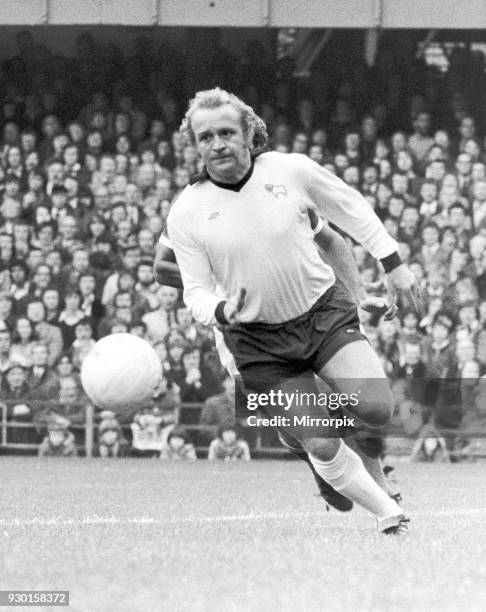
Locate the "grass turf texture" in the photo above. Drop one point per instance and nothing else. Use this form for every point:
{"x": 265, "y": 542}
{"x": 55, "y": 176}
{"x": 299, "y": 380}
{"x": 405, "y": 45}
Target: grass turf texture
{"x": 142, "y": 535}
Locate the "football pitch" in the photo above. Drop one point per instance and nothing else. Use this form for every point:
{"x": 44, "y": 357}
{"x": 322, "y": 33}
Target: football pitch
{"x": 142, "y": 535}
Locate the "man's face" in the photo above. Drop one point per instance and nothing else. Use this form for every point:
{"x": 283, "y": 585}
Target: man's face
{"x": 27, "y": 142}
{"x": 18, "y": 275}
{"x": 221, "y": 142}
{"x": 435, "y": 171}
{"x": 428, "y": 192}
{"x": 480, "y": 190}
{"x": 410, "y": 218}
{"x": 131, "y": 258}
{"x": 412, "y": 354}
{"x": 70, "y": 156}
{"x": 16, "y": 377}
{"x": 35, "y": 312}
{"x": 51, "y": 299}
{"x": 39, "y": 355}
{"x": 55, "y": 173}
{"x": 168, "y": 297}
{"x": 422, "y": 124}
{"x": 87, "y": 285}
{"x": 467, "y": 128}
{"x": 145, "y": 275}
{"x": 42, "y": 277}
{"x": 430, "y": 236}
{"x": 80, "y": 260}
{"x": 463, "y": 164}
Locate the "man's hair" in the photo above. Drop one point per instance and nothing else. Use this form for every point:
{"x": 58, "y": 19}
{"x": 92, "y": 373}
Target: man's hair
{"x": 253, "y": 126}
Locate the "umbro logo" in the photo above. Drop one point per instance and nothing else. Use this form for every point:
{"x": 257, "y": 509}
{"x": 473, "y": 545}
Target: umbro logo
{"x": 213, "y": 216}
{"x": 276, "y": 190}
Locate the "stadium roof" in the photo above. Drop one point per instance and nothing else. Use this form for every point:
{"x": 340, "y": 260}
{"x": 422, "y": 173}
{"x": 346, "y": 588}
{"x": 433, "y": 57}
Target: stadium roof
{"x": 450, "y": 14}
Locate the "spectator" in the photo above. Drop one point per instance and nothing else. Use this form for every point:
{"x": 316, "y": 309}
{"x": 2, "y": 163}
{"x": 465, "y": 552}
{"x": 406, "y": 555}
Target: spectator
{"x": 160, "y": 321}
{"x": 70, "y": 317}
{"x": 178, "y": 447}
{"x": 218, "y": 409}
{"x": 83, "y": 342}
{"x": 5, "y": 348}
{"x": 15, "y": 393}
{"x": 59, "y": 441}
{"x": 24, "y": 341}
{"x": 110, "y": 436}
{"x": 227, "y": 446}
{"x": 49, "y": 335}
{"x": 42, "y": 379}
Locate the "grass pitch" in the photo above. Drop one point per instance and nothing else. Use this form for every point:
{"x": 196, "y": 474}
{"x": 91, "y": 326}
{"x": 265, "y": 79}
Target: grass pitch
{"x": 142, "y": 535}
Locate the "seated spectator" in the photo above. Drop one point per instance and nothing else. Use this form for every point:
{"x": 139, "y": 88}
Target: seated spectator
{"x": 49, "y": 335}
{"x": 178, "y": 447}
{"x": 7, "y": 311}
{"x": 159, "y": 322}
{"x": 218, "y": 409}
{"x": 193, "y": 385}
{"x": 5, "y": 348}
{"x": 59, "y": 441}
{"x": 146, "y": 433}
{"x": 430, "y": 445}
{"x": 70, "y": 316}
{"x": 51, "y": 299}
{"x": 24, "y": 340}
{"x": 42, "y": 379}
{"x": 83, "y": 342}
{"x": 166, "y": 407}
{"x": 227, "y": 446}
{"x": 110, "y": 436}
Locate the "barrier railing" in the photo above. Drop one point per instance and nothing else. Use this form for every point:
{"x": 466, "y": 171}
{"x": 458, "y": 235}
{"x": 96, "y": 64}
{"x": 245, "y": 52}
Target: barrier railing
{"x": 190, "y": 417}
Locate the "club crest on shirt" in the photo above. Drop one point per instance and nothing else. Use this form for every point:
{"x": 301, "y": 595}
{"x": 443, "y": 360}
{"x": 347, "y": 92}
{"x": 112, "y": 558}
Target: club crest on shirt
{"x": 276, "y": 190}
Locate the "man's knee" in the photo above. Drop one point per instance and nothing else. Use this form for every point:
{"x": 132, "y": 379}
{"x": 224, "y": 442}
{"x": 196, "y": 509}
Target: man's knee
{"x": 324, "y": 449}
{"x": 375, "y": 405}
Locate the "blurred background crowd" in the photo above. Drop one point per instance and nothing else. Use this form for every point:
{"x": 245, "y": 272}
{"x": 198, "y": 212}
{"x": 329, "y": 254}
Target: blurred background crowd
{"x": 91, "y": 161}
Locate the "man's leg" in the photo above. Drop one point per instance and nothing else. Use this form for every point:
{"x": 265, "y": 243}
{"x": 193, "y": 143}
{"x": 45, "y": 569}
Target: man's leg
{"x": 356, "y": 369}
{"x": 326, "y": 491}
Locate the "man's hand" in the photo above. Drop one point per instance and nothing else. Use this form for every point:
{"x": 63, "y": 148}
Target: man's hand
{"x": 402, "y": 280}
{"x": 378, "y": 306}
{"x": 234, "y": 306}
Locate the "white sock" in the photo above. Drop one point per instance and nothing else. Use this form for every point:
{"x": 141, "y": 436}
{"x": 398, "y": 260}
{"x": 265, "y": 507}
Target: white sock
{"x": 347, "y": 474}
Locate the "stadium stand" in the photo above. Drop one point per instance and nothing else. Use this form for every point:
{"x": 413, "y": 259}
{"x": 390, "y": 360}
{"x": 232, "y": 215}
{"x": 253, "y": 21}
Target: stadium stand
{"x": 91, "y": 160}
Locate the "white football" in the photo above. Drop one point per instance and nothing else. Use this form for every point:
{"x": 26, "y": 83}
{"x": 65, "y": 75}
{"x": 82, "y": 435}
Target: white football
{"x": 121, "y": 373}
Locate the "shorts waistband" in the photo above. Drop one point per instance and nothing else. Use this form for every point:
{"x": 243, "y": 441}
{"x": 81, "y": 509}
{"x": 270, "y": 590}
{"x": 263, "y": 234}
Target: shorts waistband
{"x": 323, "y": 299}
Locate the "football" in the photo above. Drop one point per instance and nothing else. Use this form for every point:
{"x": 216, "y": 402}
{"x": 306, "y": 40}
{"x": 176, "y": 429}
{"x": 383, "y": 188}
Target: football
{"x": 121, "y": 373}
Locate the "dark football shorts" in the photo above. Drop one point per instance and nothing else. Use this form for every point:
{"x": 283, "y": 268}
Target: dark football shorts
{"x": 268, "y": 354}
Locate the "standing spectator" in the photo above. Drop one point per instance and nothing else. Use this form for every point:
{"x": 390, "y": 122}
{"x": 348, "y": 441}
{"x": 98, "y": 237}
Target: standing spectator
{"x": 420, "y": 142}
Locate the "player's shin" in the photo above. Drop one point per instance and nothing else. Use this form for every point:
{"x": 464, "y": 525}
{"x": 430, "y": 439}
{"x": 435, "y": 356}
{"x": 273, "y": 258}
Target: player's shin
{"x": 347, "y": 474}
{"x": 367, "y": 448}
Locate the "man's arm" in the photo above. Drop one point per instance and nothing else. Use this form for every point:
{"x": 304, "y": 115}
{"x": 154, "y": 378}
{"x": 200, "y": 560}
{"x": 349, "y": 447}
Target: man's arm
{"x": 197, "y": 276}
{"x": 340, "y": 258}
{"x": 348, "y": 209}
{"x": 166, "y": 270}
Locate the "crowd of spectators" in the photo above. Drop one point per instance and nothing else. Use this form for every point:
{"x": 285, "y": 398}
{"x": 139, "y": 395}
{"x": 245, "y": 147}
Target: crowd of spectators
{"x": 91, "y": 161}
